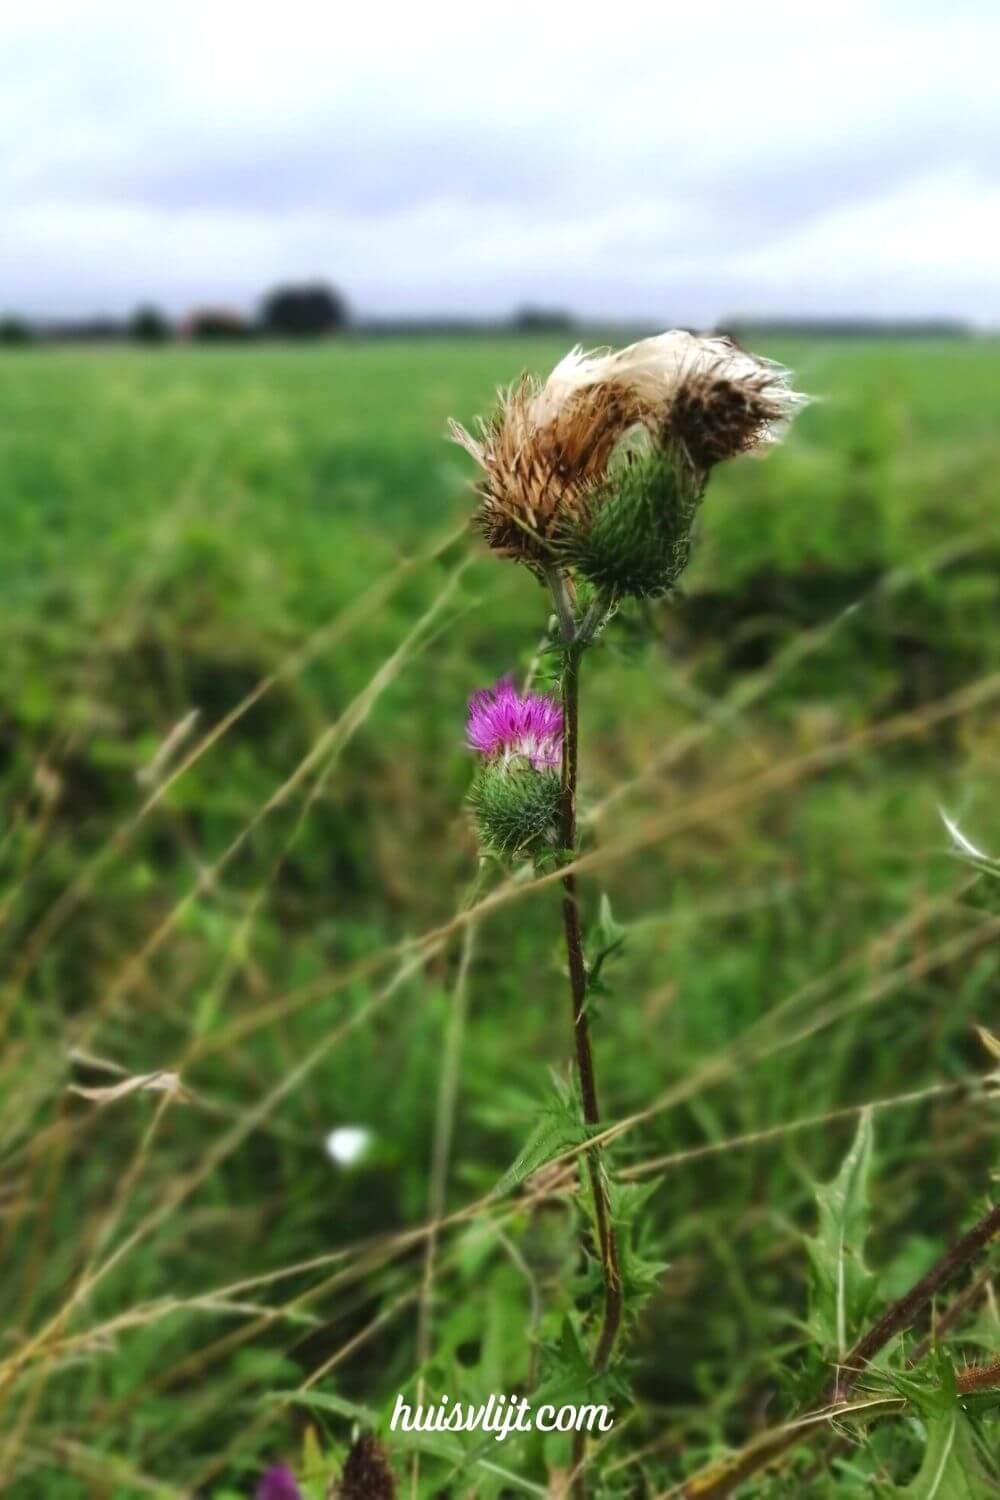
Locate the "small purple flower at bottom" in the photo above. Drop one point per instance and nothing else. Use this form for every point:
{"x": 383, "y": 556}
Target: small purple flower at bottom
{"x": 516, "y": 726}
{"x": 278, "y": 1484}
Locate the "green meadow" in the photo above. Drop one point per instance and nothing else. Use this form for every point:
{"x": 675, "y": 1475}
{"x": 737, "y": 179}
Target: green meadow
{"x": 242, "y": 615}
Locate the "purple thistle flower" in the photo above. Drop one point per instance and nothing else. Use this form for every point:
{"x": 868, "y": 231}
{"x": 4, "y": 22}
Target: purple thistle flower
{"x": 278, "y": 1484}
{"x": 516, "y": 726}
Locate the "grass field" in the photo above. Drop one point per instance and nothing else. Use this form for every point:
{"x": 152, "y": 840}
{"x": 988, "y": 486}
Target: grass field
{"x": 274, "y": 539}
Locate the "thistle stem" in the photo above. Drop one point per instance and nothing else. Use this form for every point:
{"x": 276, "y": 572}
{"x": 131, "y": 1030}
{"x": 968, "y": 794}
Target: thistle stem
{"x": 606, "y": 1237}
{"x": 563, "y": 604}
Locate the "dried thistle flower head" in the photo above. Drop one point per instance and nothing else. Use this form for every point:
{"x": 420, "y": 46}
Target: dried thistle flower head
{"x": 367, "y": 1473}
{"x": 541, "y": 451}
{"x": 545, "y": 451}
{"x": 728, "y": 402}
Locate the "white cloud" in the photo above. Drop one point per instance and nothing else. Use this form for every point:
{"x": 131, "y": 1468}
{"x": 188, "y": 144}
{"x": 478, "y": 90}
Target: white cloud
{"x": 926, "y": 242}
{"x": 437, "y": 158}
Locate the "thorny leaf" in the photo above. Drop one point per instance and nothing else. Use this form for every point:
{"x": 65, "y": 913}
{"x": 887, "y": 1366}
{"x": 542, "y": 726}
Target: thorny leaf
{"x": 842, "y": 1285}
{"x": 559, "y": 1129}
{"x": 607, "y": 939}
{"x": 956, "y": 1465}
{"x": 569, "y": 1377}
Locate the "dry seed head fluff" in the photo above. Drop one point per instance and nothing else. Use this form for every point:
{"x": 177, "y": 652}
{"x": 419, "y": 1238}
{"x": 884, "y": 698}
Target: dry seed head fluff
{"x": 541, "y": 451}
{"x": 545, "y": 449}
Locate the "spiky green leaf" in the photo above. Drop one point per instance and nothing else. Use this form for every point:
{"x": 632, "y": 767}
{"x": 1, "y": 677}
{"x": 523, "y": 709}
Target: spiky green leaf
{"x": 558, "y": 1130}
{"x": 842, "y": 1284}
{"x": 956, "y": 1463}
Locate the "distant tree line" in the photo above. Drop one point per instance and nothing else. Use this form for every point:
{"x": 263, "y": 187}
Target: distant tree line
{"x": 314, "y": 310}
{"x": 307, "y": 311}
{"x": 310, "y": 310}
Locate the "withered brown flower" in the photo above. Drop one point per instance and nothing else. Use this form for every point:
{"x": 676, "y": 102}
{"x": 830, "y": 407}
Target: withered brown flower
{"x": 729, "y": 405}
{"x": 540, "y": 455}
{"x": 545, "y": 450}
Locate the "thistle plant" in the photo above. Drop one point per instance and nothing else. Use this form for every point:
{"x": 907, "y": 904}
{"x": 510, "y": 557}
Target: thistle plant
{"x": 593, "y": 480}
{"x": 516, "y": 796}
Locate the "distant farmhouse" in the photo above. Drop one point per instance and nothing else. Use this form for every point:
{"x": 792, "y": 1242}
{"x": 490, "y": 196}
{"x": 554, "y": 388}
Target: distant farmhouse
{"x": 215, "y": 323}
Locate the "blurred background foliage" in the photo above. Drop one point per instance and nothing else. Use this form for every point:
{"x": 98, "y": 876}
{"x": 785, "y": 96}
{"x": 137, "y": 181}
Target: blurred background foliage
{"x": 182, "y": 526}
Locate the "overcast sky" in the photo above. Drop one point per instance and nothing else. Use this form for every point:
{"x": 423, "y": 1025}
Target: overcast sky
{"x": 669, "y": 161}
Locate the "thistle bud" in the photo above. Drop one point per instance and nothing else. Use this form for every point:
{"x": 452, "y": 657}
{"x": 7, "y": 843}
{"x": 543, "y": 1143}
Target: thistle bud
{"x": 634, "y": 536}
{"x": 516, "y": 794}
{"x": 516, "y": 810}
